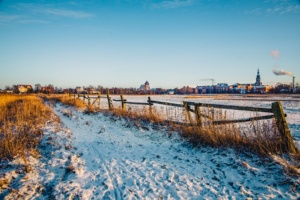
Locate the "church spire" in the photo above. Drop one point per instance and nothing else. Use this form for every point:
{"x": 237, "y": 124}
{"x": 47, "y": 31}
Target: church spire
{"x": 258, "y": 83}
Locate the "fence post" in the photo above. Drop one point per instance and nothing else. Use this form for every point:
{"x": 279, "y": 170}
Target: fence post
{"x": 109, "y": 101}
{"x": 99, "y": 99}
{"x": 150, "y": 105}
{"x": 187, "y": 108}
{"x": 213, "y": 113}
{"x": 198, "y": 115}
{"x": 283, "y": 128}
{"x": 123, "y": 103}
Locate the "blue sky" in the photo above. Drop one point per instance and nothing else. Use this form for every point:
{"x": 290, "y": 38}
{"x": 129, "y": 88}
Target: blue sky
{"x": 170, "y": 43}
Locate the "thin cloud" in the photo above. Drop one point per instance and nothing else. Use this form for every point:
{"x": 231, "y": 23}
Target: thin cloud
{"x": 279, "y": 7}
{"x": 67, "y": 13}
{"x": 275, "y": 54}
{"x": 4, "y": 18}
{"x": 255, "y": 11}
{"x": 283, "y": 7}
{"x": 33, "y": 21}
{"x": 171, "y": 4}
{"x": 52, "y": 11}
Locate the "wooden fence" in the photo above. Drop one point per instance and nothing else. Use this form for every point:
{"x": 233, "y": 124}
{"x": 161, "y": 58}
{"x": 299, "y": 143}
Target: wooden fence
{"x": 276, "y": 111}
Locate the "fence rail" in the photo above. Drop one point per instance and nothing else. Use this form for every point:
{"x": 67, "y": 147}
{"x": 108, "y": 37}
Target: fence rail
{"x": 244, "y": 108}
{"x": 243, "y": 120}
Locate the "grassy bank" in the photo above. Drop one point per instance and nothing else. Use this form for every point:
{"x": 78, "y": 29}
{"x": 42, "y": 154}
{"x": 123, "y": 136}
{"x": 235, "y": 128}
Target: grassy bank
{"x": 22, "y": 118}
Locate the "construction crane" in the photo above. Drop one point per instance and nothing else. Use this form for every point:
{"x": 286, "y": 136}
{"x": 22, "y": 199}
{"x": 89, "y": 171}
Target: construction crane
{"x": 209, "y": 79}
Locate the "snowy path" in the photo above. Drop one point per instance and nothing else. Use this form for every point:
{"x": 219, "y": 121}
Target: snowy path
{"x": 115, "y": 160}
{"x": 101, "y": 157}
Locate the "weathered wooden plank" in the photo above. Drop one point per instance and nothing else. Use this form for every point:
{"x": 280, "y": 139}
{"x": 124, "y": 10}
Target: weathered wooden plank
{"x": 89, "y": 101}
{"x": 206, "y": 116}
{"x": 191, "y": 110}
{"x": 110, "y": 107}
{"x": 96, "y": 97}
{"x": 92, "y": 97}
{"x": 244, "y": 99}
{"x": 283, "y": 128}
{"x": 150, "y": 106}
{"x": 138, "y": 103}
{"x": 99, "y": 97}
{"x": 94, "y": 101}
{"x": 120, "y": 100}
{"x": 198, "y": 115}
{"x": 243, "y": 120}
{"x": 123, "y": 103}
{"x": 167, "y": 103}
{"x": 188, "y": 109}
{"x": 246, "y": 108}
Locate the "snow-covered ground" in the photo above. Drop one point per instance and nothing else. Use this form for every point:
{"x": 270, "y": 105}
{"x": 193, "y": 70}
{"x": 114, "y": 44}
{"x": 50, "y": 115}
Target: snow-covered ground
{"x": 101, "y": 157}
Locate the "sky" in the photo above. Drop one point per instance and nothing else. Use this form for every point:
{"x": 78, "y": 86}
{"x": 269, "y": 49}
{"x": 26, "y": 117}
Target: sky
{"x": 169, "y": 43}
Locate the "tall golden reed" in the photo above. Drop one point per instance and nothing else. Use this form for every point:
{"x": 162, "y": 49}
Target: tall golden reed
{"x": 21, "y": 120}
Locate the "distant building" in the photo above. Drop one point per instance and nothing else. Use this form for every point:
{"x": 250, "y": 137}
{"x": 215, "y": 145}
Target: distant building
{"x": 201, "y": 89}
{"x": 23, "y": 89}
{"x": 78, "y": 90}
{"x": 68, "y": 91}
{"x": 38, "y": 88}
{"x": 171, "y": 92}
{"x": 48, "y": 89}
{"x": 188, "y": 90}
{"x": 92, "y": 90}
{"x": 145, "y": 86}
{"x": 159, "y": 91}
{"x": 258, "y": 81}
{"x": 221, "y": 88}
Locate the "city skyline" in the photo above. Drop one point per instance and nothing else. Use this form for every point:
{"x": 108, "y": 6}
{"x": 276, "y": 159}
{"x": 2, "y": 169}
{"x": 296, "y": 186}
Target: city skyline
{"x": 170, "y": 43}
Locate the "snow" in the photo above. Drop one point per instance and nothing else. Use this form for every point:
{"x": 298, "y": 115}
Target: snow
{"x": 99, "y": 156}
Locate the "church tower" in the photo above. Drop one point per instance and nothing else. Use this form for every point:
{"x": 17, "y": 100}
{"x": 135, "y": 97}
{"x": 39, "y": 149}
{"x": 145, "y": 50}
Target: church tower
{"x": 258, "y": 82}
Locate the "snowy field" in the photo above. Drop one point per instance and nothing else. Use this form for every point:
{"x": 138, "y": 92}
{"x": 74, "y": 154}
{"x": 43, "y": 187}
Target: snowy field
{"x": 101, "y": 157}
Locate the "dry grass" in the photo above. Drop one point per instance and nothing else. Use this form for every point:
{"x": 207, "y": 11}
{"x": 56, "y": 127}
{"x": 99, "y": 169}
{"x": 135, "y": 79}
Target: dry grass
{"x": 21, "y": 120}
{"x": 91, "y": 109}
{"x": 65, "y": 99}
{"x": 140, "y": 114}
{"x": 264, "y": 140}
{"x": 71, "y": 101}
{"x": 261, "y": 137}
